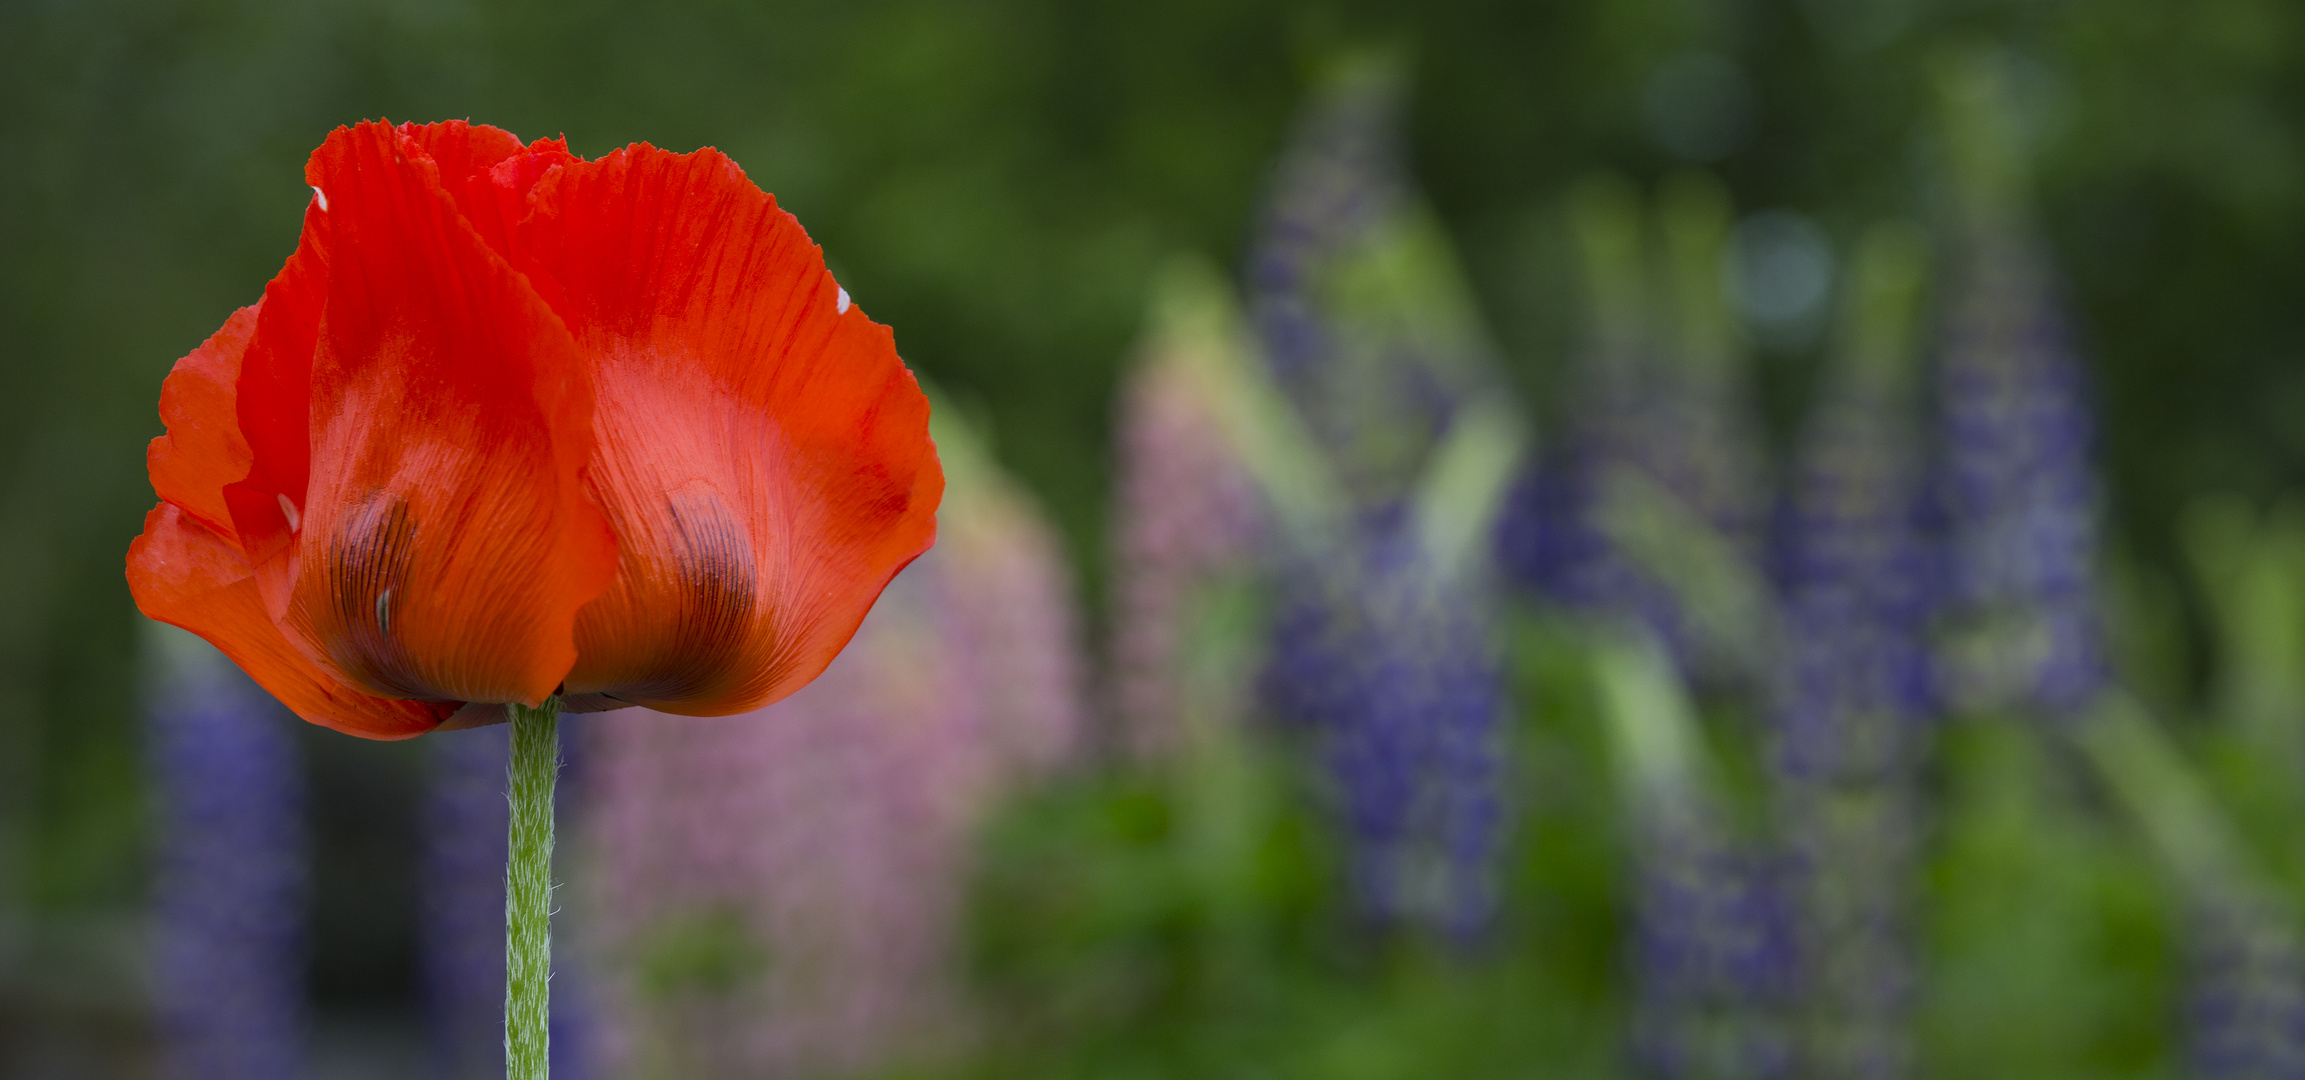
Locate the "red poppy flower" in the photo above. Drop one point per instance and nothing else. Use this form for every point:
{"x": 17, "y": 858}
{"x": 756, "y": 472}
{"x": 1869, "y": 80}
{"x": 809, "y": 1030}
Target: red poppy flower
{"x": 511, "y": 423}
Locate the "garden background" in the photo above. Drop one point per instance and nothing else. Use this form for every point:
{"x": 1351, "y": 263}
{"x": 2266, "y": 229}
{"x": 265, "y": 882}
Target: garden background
{"x": 1006, "y": 182}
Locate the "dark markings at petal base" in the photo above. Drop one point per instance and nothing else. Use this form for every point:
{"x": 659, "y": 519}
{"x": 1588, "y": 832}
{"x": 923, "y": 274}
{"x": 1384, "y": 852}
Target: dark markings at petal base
{"x": 367, "y": 558}
{"x": 715, "y": 564}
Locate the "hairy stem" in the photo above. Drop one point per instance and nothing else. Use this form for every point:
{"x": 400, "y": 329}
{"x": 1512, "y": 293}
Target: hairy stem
{"x": 528, "y": 890}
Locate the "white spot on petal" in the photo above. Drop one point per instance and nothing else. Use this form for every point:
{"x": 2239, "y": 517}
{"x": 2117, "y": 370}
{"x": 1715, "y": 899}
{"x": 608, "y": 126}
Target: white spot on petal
{"x": 288, "y": 509}
{"x": 322, "y": 198}
{"x": 841, "y": 305}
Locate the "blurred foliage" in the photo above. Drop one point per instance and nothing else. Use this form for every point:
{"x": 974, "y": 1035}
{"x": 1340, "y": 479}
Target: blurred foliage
{"x": 1138, "y": 923}
{"x": 1112, "y": 939}
{"x": 1109, "y": 944}
{"x": 2046, "y": 927}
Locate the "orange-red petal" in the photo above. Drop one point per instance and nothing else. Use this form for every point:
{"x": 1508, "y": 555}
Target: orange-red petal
{"x": 183, "y": 573}
{"x": 488, "y": 172}
{"x": 203, "y": 450}
{"x": 445, "y": 541}
{"x": 461, "y": 150}
{"x": 761, "y": 450}
{"x": 273, "y": 402}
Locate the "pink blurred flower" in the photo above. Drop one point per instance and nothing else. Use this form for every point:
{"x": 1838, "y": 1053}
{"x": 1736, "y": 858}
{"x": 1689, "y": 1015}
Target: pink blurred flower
{"x": 1187, "y": 515}
{"x": 777, "y": 893}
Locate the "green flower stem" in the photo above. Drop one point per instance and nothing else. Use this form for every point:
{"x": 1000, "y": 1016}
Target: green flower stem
{"x": 528, "y": 891}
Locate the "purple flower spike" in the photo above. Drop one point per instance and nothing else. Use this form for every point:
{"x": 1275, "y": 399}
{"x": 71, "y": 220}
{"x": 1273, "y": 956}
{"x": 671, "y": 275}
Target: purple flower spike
{"x": 1660, "y": 404}
{"x": 2246, "y": 1013}
{"x": 1715, "y": 949}
{"x": 1341, "y": 179}
{"x": 1391, "y": 670}
{"x": 1715, "y": 954}
{"x": 2021, "y": 487}
{"x": 1381, "y": 647}
{"x": 1853, "y": 704}
{"x": 1365, "y": 321}
{"x": 230, "y": 892}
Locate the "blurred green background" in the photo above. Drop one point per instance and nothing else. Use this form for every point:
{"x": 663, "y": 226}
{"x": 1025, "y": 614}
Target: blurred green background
{"x": 999, "y": 179}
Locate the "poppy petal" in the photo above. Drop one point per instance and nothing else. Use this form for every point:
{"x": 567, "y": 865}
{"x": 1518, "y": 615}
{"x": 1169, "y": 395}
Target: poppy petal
{"x": 273, "y": 400}
{"x": 203, "y": 450}
{"x": 275, "y": 392}
{"x": 185, "y": 574}
{"x": 446, "y": 541}
{"x": 497, "y": 200}
{"x": 461, "y": 150}
{"x": 487, "y": 171}
{"x": 762, "y": 451}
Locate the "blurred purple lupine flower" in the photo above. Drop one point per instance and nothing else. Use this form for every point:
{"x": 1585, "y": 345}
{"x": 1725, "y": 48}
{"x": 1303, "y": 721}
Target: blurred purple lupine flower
{"x": 2245, "y": 1014}
{"x": 1382, "y": 651}
{"x": 463, "y": 828}
{"x": 1660, "y": 417}
{"x": 2244, "y": 1005}
{"x": 1547, "y": 539}
{"x": 1340, "y": 180}
{"x": 1715, "y": 949}
{"x": 777, "y": 893}
{"x": 1381, "y": 645}
{"x": 1853, "y": 702}
{"x": 2021, "y": 488}
{"x": 1392, "y": 667}
{"x": 1648, "y": 524}
{"x": 1715, "y": 954}
{"x": 2245, "y": 993}
{"x": 230, "y": 891}
{"x": 1356, "y": 298}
